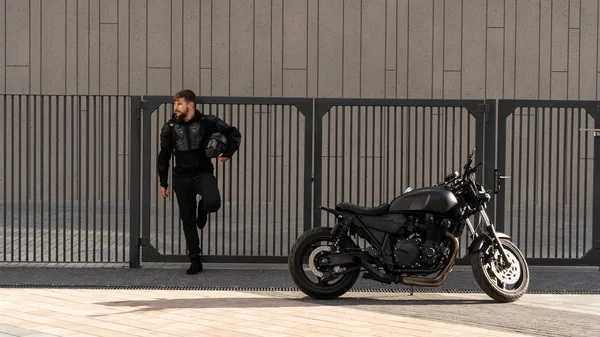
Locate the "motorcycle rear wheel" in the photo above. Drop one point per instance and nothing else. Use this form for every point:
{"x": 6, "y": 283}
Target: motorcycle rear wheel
{"x": 501, "y": 283}
{"x": 304, "y": 246}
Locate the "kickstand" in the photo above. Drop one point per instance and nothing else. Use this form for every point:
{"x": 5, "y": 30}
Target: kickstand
{"x": 411, "y": 290}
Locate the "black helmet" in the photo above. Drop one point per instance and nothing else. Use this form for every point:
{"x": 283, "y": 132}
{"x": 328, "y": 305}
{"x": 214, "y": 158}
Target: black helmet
{"x": 215, "y": 145}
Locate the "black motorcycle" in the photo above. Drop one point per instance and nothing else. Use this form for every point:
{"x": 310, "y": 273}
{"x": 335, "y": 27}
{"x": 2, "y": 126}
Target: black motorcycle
{"x": 408, "y": 240}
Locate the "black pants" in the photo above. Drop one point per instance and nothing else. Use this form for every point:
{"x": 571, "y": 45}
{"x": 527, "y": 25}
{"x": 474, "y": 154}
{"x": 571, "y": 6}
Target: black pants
{"x": 186, "y": 189}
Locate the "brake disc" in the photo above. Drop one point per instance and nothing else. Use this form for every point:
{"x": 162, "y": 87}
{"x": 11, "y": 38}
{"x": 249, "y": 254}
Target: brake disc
{"x": 508, "y": 275}
{"x": 313, "y": 256}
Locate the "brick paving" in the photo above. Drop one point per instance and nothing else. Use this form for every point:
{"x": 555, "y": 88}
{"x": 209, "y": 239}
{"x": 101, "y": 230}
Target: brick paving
{"x": 261, "y": 300}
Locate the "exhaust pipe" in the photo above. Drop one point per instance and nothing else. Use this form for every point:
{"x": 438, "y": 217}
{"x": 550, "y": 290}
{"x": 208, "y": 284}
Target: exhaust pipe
{"x": 443, "y": 274}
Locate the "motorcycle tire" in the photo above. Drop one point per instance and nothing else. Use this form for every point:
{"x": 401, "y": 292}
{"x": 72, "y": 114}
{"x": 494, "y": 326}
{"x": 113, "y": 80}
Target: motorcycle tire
{"x": 490, "y": 275}
{"x": 295, "y": 261}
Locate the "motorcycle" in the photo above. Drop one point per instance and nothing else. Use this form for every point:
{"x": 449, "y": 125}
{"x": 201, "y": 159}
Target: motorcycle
{"x": 409, "y": 239}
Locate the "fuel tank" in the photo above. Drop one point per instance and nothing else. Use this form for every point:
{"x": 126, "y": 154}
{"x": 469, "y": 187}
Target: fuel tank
{"x": 436, "y": 200}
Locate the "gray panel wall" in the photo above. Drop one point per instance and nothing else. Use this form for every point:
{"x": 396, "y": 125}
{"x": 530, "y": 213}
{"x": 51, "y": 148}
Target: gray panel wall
{"x": 354, "y": 48}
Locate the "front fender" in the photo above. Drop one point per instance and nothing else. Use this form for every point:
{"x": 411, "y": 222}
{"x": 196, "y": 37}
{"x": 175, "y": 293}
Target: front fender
{"x": 482, "y": 242}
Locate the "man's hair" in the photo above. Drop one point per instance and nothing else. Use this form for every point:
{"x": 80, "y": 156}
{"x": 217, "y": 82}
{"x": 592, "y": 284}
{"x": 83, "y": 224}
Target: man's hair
{"x": 186, "y": 94}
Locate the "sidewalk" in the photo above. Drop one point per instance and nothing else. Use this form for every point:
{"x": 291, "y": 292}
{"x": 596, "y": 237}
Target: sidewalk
{"x": 261, "y": 300}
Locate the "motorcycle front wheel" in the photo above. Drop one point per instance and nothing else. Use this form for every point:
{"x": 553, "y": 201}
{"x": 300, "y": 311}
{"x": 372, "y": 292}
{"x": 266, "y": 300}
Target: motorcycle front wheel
{"x": 321, "y": 282}
{"x": 502, "y": 283}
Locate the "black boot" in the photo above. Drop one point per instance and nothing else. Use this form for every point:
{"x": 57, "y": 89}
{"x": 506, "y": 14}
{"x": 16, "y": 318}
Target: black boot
{"x": 196, "y": 265}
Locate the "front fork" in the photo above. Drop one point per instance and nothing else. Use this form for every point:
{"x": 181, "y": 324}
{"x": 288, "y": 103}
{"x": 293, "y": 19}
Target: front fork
{"x": 492, "y": 231}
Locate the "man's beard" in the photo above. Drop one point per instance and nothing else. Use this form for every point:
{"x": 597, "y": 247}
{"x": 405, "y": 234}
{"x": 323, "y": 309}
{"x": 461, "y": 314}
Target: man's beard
{"x": 181, "y": 116}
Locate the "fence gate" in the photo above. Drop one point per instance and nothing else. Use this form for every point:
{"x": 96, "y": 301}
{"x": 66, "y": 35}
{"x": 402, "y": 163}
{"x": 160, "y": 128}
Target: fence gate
{"x": 265, "y": 188}
{"x": 548, "y": 175}
{"x": 64, "y": 175}
{"x": 368, "y": 151}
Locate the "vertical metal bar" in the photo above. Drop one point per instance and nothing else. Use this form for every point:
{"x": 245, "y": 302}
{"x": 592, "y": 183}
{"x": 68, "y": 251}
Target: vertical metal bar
{"x": 109, "y": 195}
{"x": 117, "y": 101}
{"x": 50, "y": 179}
{"x": 528, "y": 136}
{"x": 95, "y": 176}
{"x": 596, "y": 189}
{"x": 73, "y": 142}
{"x": 134, "y": 183}
{"x": 87, "y": 176}
{"x": 268, "y": 178}
{"x": 277, "y": 109}
{"x": 366, "y": 155}
{"x": 389, "y": 147}
{"x": 34, "y": 192}
{"x": 260, "y": 177}
{"x": 557, "y": 185}
{"x": 535, "y": 180}
{"x": 585, "y": 183}
{"x": 502, "y": 113}
{"x": 131, "y": 116}
{"x": 373, "y": 159}
{"x": 308, "y": 207}
{"x": 358, "y": 156}
{"x": 27, "y": 180}
{"x": 572, "y": 113}
{"x": 396, "y": 148}
{"x": 550, "y": 155}
{"x": 423, "y": 160}
{"x": 252, "y": 183}
{"x": 328, "y": 198}
{"x": 513, "y": 173}
{"x": 520, "y": 185}
{"x": 65, "y": 178}
{"x": 238, "y": 199}
{"x": 564, "y": 180}
{"x": 146, "y": 124}
{"x": 578, "y": 191}
{"x": 20, "y": 171}
{"x": 282, "y": 144}
{"x": 381, "y": 182}
{"x": 307, "y": 109}
{"x": 351, "y": 150}
{"x": 408, "y": 127}
{"x": 318, "y": 110}
{"x": 12, "y": 178}
{"x": 246, "y": 149}
{"x": 223, "y": 191}
{"x": 57, "y": 200}
{"x": 289, "y": 207}
{"x": 156, "y": 116}
{"x": 336, "y": 119}
{"x": 542, "y": 182}
{"x": 430, "y": 182}
{"x": 5, "y": 119}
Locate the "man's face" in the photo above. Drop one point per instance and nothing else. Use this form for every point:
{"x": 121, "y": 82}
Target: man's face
{"x": 182, "y": 108}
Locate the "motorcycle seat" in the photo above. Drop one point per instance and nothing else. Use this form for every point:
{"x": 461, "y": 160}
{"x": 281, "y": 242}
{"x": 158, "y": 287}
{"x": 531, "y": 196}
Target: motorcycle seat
{"x": 356, "y": 209}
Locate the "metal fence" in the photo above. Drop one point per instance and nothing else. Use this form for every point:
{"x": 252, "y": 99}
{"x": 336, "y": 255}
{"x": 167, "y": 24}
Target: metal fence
{"x": 368, "y": 151}
{"x": 79, "y": 181}
{"x": 549, "y": 202}
{"x": 65, "y": 174}
{"x": 266, "y": 188}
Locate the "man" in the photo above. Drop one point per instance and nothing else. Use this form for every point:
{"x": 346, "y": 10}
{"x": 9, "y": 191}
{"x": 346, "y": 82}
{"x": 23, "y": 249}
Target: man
{"x": 187, "y": 133}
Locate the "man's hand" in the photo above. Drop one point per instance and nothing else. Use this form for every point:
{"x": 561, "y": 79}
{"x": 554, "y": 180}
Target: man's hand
{"x": 164, "y": 192}
{"x": 222, "y": 159}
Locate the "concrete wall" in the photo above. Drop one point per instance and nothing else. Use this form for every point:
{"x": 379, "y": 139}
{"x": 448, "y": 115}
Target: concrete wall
{"x": 353, "y": 48}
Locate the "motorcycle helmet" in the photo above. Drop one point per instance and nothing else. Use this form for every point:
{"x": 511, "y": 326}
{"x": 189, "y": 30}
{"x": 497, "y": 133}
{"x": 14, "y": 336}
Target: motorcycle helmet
{"x": 215, "y": 145}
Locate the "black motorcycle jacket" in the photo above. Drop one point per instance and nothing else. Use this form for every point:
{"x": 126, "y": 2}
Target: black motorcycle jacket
{"x": 187, "y": 139}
